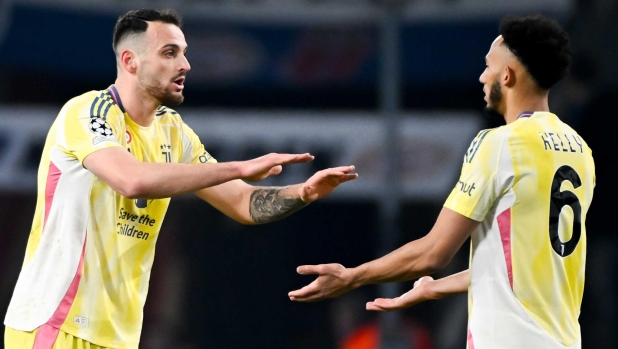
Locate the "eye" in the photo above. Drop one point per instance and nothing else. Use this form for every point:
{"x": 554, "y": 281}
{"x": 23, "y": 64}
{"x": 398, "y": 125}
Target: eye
{"x": 169, "y": 54}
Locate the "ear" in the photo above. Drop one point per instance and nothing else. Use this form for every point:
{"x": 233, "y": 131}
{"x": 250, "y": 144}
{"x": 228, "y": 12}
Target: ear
{"x": 128, "y": 61}
{"x": 510, "y": 78}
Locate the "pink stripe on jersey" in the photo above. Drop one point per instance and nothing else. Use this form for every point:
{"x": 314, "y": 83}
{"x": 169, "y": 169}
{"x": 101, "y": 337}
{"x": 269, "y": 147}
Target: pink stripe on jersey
{"x": 504, "y": 225}
{"x": 53, "y": 176}
{"x": 61, "y": 313}
{"x": 470, "y": 340}
{"x": 45, "y": 337}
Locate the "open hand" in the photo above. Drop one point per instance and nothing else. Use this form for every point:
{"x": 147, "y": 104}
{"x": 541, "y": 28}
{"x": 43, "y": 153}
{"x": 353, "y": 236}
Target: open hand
{"x": 333, "y": 280}
{"x": 418, "y": 294}
{"x": 324, "y": 182}
{"x": 259, "y": 168}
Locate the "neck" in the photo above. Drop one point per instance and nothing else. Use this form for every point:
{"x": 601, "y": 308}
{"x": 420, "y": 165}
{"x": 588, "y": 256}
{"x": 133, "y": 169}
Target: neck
{"x": 516, "y": 103}
{"x": 138, "y": 104}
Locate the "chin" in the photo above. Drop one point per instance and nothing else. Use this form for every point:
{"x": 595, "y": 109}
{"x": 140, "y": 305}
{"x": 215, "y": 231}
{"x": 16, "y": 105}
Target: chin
{"x": 173, "y": 99}
{"x": 492, "y": 112}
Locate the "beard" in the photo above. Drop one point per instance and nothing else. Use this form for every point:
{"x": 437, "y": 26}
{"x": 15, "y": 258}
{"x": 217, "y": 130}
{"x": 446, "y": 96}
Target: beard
{"x": 163, "y": 94}
{"x": 495, "y": 96}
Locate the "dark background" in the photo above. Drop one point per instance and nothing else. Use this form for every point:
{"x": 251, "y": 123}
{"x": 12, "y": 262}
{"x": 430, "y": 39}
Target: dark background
{"x": 217, "y": 284}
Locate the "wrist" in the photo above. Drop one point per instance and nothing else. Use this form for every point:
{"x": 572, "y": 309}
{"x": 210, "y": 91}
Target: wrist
{"x": 432, "y": 290}
{"x": 299, "y": 191}
{"x": 354, "y": 277}
{"x": 236, "y": 169}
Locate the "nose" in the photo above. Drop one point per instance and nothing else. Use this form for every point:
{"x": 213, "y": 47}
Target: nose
{"x": 482, "y": 78}
{"x": 185, "y": 66}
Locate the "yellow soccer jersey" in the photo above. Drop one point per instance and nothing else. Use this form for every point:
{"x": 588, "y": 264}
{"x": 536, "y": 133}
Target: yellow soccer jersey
{"x": 90, "y": 251}
{"x": 530, "y": 185}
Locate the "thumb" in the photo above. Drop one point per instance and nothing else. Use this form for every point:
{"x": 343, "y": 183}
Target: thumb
{"x": 275, "y": 170}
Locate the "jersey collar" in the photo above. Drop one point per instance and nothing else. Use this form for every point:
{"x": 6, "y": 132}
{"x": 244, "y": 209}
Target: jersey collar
{"x": 116, "y": 96}
{"x": 525, "y": 114}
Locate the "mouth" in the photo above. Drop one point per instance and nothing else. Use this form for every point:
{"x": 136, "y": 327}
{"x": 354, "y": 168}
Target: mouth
{"x": 179, "y": 83}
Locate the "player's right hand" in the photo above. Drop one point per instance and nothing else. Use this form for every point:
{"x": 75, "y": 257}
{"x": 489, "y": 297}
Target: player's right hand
{"x": 421, "y": 292}
{"x": 271, "y": 164}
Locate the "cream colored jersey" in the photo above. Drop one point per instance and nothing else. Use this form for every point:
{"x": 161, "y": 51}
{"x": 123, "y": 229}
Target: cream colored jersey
{"x": 90, "y": 251}
{"x": 530, "y": 185}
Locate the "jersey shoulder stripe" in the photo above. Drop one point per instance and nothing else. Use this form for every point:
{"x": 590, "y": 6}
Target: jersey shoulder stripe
{"x": 100, "y": 106}
{"x": 476, "y": 144}
{"x": 162, "y": 110}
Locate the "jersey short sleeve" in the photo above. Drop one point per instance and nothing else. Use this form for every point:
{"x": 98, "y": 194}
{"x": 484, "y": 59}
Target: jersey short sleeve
{"x": 479, "y": 184}
{"x": 193, "y": 151}
{"x": 90, "y": 123}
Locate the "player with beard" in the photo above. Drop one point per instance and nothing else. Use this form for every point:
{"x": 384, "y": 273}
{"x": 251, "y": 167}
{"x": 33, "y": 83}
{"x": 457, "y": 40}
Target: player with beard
{"x": 523, "y": 195}
{"x": 111, "y": 162}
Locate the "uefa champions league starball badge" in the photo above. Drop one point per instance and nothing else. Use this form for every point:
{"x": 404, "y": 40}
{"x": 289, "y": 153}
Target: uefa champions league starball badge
{"x": 99, "y": 127}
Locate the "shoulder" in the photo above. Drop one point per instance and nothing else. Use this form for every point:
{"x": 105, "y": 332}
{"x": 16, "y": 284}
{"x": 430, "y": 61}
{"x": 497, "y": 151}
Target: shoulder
{"x": 83, "y": 100}
{"x": 487, "y": 141}
{"x": 92, "y": 104}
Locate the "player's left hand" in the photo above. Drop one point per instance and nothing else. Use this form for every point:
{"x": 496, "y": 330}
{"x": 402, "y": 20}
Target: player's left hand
{"x": 324, "y": 182}
{"x": 333, "y": 280}
{"x": 421, "y": 292}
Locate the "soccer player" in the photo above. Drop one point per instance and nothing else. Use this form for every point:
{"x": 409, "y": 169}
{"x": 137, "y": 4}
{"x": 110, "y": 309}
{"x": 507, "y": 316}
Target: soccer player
{"x": 111, "y": 162}
{"x": 523, "y": 195}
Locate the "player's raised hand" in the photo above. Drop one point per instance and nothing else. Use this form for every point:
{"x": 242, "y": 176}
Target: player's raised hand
{"x": 421, "y": 292}
{"x": 259, "y": 168}
{"x": 324, "y": 182}
{"x": 333, "y": 280}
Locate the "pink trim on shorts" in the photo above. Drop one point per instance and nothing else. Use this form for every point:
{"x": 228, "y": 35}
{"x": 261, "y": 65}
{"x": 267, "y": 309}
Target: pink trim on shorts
{"x": 53, "y": 176}
{"x": 47, "y": 334}
{"x": 504, "y": 225}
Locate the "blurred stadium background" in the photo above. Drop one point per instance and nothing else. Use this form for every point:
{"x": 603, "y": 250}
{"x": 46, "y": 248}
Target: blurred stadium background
{"x": 390, "y": 86}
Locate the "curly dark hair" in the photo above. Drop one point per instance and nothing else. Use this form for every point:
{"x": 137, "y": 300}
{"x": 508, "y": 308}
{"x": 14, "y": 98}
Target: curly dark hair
{"x": 540, "y": 44}
{"x": 134, "y": 22}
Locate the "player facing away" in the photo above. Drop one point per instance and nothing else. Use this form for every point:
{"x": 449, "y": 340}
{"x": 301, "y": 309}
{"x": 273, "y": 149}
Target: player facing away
{"x": 522, "y": 196}
{"x": 111, "y": 162}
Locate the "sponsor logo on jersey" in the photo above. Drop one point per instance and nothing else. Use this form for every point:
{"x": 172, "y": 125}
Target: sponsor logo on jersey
{"x": 80, "y": 321}
{"x": 100, "y": 139}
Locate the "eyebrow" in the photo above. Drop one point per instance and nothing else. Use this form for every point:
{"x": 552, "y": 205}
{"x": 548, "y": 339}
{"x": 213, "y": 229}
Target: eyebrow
{"x": 171, "y": 46}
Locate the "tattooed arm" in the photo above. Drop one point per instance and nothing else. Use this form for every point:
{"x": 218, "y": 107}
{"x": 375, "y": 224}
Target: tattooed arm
{"x": 270, "y": 204}
{"x": 255, "y": 205}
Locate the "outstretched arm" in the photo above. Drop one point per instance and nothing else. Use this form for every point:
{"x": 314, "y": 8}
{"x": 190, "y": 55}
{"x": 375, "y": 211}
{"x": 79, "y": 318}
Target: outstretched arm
{"x": 425, "y": 288}
{"x": 145, "y": 180}
{"x": 255, "y": 205}
{"x": 415, "y": 259}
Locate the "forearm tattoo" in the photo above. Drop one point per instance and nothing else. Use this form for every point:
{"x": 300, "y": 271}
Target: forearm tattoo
{"x": 270, "y": 204}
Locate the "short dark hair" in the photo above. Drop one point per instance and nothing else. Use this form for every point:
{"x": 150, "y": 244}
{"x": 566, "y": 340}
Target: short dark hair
{"x": 134, "y": 22}
{"x": 540, "y": 44}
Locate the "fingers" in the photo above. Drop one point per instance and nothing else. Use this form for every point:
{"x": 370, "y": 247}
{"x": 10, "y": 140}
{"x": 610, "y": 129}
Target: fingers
{"x": 304, "y": 294}
{"x": 343, "y": 172}
{"x": 309, "y": 269}
{"x": 384, "y": 304}
{"x": 339, "y": 170}
{"x": 347, "y": 177}
{"x": 284, "y": 159}
{"x": 344, "y": 169}
{"x": 373, "y": 306}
